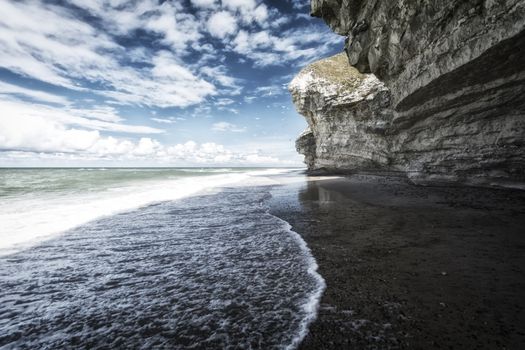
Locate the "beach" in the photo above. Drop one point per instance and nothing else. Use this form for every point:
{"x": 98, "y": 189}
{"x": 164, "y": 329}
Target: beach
{"x": 257, "y": 258}
{"x": 411, "y": 267}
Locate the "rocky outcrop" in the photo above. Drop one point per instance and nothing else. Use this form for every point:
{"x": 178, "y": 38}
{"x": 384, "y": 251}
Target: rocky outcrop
{"x": 347, "y": 113}
{"x": 455, "y": 71}
{"x": 305, "y": 144}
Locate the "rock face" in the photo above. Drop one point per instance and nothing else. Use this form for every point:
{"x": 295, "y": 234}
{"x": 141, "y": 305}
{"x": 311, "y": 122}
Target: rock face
{"x": 347, "y": 113}
{"x": 455, "y": 106}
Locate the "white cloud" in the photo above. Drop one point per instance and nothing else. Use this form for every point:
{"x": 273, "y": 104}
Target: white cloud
{"x": 10, "y": 89}
{"x": 27, "y": 49}
{"x": 178, "y": 28}
{"x": 225, "y": 126}
{"x": 90, "y": 53}
{"x": 169, "y": 19}
{"x": 43, "y": 136}
{"x": 304, "y": 16}
{"x": 239, "y": 4}
{"x": 16, "y": 114}
{"x": 221, "y": 24}
{"x": 164, "y": 120}
{"x": 227, "y": 109}
{"x": 224, "y": 102}
{"x": 168, "y": 120}
{"x": 267, "y": 49}
{"x": 260, "y": 15}
{"x": 300, "y": 4}
{"x": 248, "y": 10}
{"x": 271, "y": 90}
{"x": 146, "y": 147}
{"x": 279, "y": 20}
{"x": 213, "y": 153}
{"x": 34, "y": 133}
{"x": 219, "y": 75}
{"x": 51, "y": 54}
{"x": 178, "y": 66}
{"x": 250, "y": 99}
{"x": 90, "y": 146}
{"x": 204, "y": 3}
{"x": 41, "y": 133}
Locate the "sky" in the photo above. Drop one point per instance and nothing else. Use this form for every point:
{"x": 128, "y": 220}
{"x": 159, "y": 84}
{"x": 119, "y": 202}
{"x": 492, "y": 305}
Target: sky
{"x": 154, "y": 83}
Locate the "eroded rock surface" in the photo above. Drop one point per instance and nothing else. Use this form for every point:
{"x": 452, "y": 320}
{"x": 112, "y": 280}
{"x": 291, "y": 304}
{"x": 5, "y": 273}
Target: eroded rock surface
{"x": 455, "y": 71}
{"x": 347, "y": 113}
{"x": 408, "y": 44}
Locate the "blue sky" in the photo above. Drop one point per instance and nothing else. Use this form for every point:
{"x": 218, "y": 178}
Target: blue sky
{"x": 154, "y": 83}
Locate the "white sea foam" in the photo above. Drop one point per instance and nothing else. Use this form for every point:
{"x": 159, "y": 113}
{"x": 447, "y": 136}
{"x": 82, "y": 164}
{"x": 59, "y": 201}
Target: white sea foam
{"x": 30, "y": 219}
{"x": 311, "y": 304}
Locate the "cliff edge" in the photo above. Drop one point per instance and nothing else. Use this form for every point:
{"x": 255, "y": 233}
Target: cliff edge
{"x": 433, "y": 90}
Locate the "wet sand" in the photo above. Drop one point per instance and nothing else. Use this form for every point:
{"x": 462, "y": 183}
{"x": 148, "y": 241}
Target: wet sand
{"x": 411, "y": 267}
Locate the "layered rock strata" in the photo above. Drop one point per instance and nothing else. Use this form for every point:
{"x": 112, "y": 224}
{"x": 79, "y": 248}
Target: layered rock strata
{"x": 348, "y": 115}
{"x": 455, "y": 75}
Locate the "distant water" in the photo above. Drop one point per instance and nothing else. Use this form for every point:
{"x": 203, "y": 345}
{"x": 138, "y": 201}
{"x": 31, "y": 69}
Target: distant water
{"x": 149, "y": 258}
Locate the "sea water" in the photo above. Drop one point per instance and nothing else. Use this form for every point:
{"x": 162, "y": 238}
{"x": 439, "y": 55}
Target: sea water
{"x": 149, "y": 258}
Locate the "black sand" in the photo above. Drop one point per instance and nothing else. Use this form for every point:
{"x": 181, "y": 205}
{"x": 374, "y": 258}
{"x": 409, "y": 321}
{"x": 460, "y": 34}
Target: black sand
{"x": 412, "y": 267}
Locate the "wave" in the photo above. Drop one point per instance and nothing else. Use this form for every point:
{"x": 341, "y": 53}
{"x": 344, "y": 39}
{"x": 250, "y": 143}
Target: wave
{"x": 310, "y": 305}
{"x": 209, "y": 271}
{"x": 34, "y": 217}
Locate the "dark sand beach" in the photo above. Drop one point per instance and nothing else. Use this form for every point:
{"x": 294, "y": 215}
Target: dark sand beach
{"x": 412, "y": 267}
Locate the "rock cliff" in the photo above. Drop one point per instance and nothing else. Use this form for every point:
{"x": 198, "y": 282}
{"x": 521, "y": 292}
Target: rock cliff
{"x": 347, "y": 113}
{"x": 437, "y": 92}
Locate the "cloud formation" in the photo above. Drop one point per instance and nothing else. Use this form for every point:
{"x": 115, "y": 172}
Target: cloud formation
{"x": 92, "y": 53}
{"x": 52, "y": 133}
{"x": 83, "y": 55}
{"x": 225, "y": 126}
{"x": 222, "y": 24}
{"x": 89, "y": 80}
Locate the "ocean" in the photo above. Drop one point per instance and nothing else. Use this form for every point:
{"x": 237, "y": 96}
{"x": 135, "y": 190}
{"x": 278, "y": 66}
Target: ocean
{"x": 150, "y": 258}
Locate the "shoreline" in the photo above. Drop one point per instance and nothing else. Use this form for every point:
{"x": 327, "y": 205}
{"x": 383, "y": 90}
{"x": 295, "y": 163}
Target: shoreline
{"x": 408, "y": 266}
